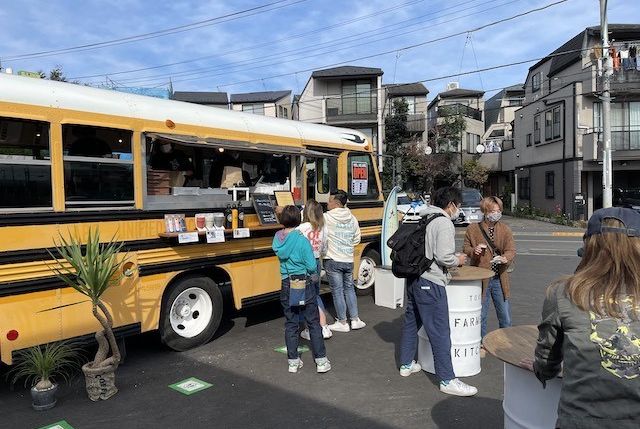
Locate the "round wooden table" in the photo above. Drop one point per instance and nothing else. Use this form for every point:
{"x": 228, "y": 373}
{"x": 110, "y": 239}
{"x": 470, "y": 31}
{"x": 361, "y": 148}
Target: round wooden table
{"x": 464, "y": 298}
{"x": 526, "y": 404}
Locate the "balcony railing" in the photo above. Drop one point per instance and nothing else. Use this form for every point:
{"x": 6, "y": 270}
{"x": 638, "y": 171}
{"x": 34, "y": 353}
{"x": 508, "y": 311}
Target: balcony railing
{"x": 344, "y": 109}
{"x": 459, "y": 109}
{"x": 592, "y": 144}
{"x": 416, "y": 123}
{"x": 622, "y": 80}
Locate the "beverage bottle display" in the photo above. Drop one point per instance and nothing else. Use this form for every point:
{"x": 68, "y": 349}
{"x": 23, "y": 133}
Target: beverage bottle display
{"x": 234, "y": 217}
{"x": 228, "y": 217}
{"x": 240, "y": 216}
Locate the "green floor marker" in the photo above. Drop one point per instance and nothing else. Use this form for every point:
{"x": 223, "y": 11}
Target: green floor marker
{"x": 59, "y": 425}
{"x": 190, "y": 386}
{"x": 283, "y": 349}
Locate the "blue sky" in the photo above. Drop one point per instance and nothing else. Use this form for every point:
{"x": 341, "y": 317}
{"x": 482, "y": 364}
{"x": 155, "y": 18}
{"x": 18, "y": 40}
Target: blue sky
{"x": 245, "y": 54}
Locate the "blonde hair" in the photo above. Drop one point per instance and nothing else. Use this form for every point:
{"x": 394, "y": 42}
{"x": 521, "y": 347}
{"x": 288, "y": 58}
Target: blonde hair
{"x": 487, "y": 202}
{"x": 609, "y": 271}
{"x": 313, "y": 214}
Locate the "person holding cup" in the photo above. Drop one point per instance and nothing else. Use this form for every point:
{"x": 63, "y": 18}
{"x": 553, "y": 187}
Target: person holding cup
{"x": 489, "y": 244}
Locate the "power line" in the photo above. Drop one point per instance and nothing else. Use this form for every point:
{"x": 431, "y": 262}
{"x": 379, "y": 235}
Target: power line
{"x": 205, "y": 71}
{"x": 269, "y": 43}
{"x": 406, "y": 48}
{"x": 159, "y": 33}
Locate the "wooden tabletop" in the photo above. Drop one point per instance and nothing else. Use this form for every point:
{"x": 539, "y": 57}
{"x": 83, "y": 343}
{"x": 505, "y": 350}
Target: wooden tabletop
{"x": 467, "y": 272}
{"x": 512, "y": 345}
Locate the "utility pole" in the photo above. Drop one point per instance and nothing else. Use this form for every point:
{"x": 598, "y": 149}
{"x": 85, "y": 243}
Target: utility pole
{"x": 607, "y": 182}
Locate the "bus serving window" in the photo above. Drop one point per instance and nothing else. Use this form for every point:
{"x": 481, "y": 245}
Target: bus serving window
{"x": 25, "y": 166}
{"x": 98, "y": 166}
{"x": 361, "y": 177}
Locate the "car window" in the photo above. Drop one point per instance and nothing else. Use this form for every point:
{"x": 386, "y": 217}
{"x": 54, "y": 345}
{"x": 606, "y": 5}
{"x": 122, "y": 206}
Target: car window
{"x": 404, "y": 200}
{"x": 471, "y": 197}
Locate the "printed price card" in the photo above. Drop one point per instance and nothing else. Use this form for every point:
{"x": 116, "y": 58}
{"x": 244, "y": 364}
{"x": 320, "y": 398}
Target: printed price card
{"x": 215, "y": 236}
{"x": 241, "y": 233}
{"x": 188, "y": 237}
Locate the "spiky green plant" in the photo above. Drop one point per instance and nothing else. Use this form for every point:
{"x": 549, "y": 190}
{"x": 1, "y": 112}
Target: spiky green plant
{"x": 40, "y": 365}
{"x": 91, "y": 271}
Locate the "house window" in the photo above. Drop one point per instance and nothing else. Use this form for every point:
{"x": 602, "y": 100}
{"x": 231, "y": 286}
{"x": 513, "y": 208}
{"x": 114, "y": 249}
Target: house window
{"x": 411, "y": 104}
{"x": 473, "y": 140}
{"x": 549, "y": 184}
{"x": 256, "y": 109}
{"x": 536, "y": 82}
{"x": 98, "y": 166}
{"x": 523, "y": 188}
{"x": 286, "y": 112}
{"x": 625, "y": 124}
{"x": 536, "y": 129}
{"x": 556, "y": 122}
{"x": 280, "y": 112}
{"x": 548, "y": 122}
{"x": 25, "y": 164}
{"x": 357, "y": 98}
{"x": 529, "y": 139}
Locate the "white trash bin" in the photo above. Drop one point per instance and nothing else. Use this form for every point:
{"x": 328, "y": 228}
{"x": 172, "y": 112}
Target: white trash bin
{"x": 389, "y": 289}
{"x": 464, "y": 296}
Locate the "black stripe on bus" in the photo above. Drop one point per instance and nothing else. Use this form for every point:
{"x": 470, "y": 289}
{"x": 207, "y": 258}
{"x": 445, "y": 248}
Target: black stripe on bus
{"x": 42, "y": 254}
{"x": 372, "y": 222}
{"x": 52, "y": 282}
{"x": 47, "y": 218}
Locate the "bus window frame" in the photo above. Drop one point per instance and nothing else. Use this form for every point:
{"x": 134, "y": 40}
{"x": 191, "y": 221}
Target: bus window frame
{"x": 373, "y": 174}
{"x": 43, "y": 162}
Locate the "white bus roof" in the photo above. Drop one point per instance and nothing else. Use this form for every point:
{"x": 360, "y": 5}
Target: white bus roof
{"x": 63, "y": 95}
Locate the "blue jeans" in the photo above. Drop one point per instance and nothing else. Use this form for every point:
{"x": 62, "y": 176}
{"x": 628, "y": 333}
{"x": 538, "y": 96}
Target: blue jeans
{"x": 308, "y": 312}
{"x": 340, "y": 276}
{"x": 503, "y": 311}
{"x": 427, "y": 305}
{"x": 320, "y": 303}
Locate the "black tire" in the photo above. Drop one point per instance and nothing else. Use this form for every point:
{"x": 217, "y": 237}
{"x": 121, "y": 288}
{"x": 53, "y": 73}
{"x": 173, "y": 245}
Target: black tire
{"x": 173, "y": 339}
{"x": 374, "y": 256}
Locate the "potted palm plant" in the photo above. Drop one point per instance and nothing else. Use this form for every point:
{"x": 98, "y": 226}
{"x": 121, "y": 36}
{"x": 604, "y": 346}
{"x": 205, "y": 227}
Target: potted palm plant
{"x": 41, "y": 366}
{"x": 91, "y": 270}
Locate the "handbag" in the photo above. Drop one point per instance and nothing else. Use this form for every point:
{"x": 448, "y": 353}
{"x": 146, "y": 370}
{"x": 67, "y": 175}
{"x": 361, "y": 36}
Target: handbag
{"x": 494, "y": 249}
{"x": 297, "y": 289}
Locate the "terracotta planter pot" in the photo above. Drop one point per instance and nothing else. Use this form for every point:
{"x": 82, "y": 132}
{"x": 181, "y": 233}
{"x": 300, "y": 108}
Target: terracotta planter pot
{"x": 100, "y": 382}
{"x": 43, "y": 399}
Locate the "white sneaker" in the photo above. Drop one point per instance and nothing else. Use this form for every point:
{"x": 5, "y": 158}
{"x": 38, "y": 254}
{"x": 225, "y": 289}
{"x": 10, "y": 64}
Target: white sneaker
{"x": 357, "y": 324}
{"x": 323, "y": 365}
{"x": 412, "y": 368}
{"x": 326, "y": 332}
{"x": 305, "y": 334}
{"x": 339, "y": 327}
{"x": 457, "y": 388}
{"x": 295, "y": 365}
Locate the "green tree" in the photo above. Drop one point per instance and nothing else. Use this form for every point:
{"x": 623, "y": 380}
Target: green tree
{"x": 396, "y": 136}
{"x": 424, "y": 170}
{"x": 474, "y": 174}
{"x": 56, "y": 73}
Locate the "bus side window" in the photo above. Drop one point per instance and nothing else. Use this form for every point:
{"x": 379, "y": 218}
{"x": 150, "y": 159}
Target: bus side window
{"x": 326, "y": 177}
{"x": 25, "y": 164}
{"x": 98, "y": 166}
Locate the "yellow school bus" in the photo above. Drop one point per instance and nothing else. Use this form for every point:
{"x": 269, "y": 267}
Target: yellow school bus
{"x": 74, "y": 158}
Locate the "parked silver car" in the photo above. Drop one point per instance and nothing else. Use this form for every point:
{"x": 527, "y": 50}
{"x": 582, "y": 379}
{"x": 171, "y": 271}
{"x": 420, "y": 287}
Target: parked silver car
{"x": 470, "y": 210}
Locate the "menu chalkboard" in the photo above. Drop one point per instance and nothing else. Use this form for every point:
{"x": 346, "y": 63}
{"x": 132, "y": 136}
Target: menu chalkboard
{"x": 264, "y": 209}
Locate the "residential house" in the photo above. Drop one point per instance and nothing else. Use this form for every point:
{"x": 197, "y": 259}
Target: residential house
{"x": 499, "y": 114}
{"x": 276, "y": 104}
{"x": 415, "y": 94}
{"x": 557, "y": 159}
{"x": 469, "y": 104}
{"x": 346, "y": 96}
{"x": 213, "y": 99}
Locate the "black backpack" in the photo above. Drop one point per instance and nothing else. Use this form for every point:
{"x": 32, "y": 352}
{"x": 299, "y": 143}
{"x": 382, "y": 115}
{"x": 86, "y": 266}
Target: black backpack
{"x": 407, "y": 248}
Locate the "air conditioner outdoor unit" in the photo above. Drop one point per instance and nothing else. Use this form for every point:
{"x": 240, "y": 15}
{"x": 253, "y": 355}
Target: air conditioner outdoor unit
{"x": 453, "y": 85}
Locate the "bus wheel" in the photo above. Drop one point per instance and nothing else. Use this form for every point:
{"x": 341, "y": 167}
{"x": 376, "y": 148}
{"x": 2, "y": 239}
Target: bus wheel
{"x": 191, "y": 313}
{"x": 366, "y": 272}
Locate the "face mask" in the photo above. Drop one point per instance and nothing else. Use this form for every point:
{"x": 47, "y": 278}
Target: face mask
{"x": 165, "y": 148}
{"x": 494, "y": 217}
{"x": 455, "y": 214}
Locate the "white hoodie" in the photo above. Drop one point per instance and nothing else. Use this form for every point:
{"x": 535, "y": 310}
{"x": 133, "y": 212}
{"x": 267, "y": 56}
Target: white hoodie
{"x": 343, "y": 234}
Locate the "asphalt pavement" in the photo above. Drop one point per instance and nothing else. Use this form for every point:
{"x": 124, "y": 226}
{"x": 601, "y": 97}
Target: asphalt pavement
{"x": 251, "y": 388}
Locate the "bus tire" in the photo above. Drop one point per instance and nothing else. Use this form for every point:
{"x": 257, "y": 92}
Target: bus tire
{"x": 366, "y": 272}
{"x": 191, "y": 313}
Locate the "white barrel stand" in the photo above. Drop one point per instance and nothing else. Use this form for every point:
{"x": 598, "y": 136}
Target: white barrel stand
{"x": 526, "y": 404}
{"x": 464, "y": 298}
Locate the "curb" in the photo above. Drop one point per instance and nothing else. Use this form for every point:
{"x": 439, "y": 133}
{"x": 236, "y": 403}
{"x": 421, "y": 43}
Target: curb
{"x": 567, "y": 234}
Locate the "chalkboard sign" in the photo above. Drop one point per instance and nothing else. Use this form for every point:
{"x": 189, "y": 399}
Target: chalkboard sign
{"x": 264, "y": 209}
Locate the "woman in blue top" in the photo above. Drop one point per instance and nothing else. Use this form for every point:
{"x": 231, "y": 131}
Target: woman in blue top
{"x": 297, "y": 262}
